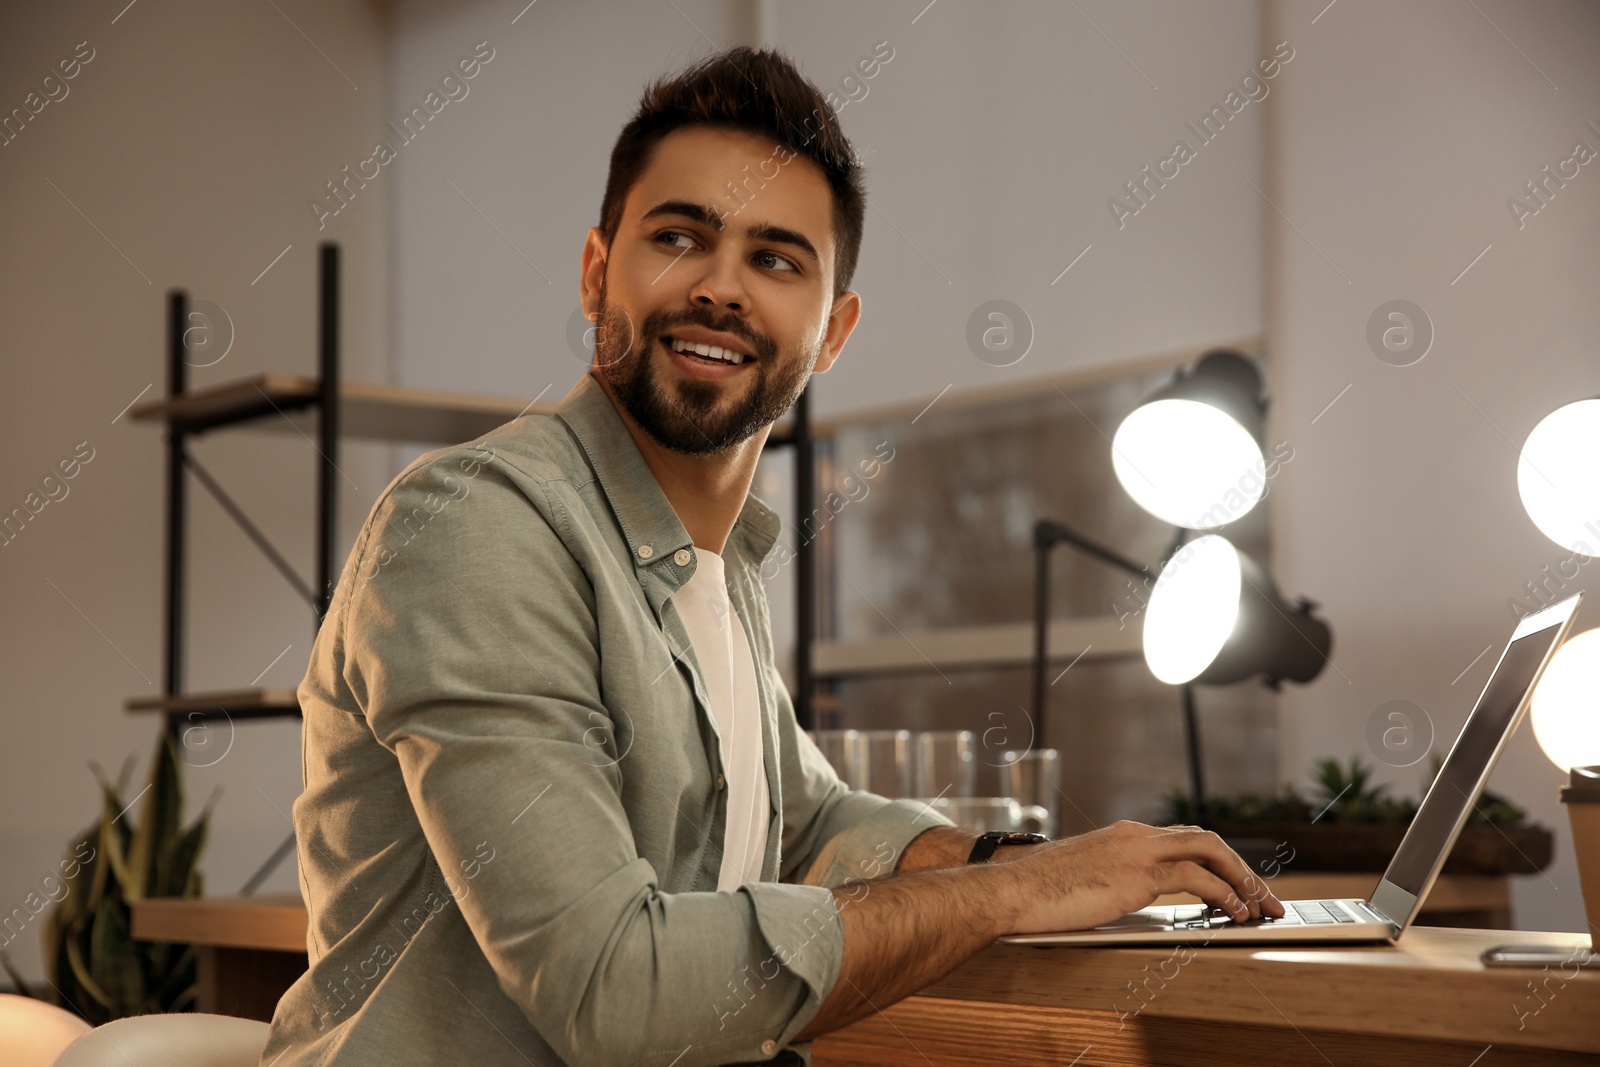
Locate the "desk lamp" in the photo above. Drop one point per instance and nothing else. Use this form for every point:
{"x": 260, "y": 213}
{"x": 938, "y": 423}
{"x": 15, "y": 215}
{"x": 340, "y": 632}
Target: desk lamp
{"x": 1190, "y": 455}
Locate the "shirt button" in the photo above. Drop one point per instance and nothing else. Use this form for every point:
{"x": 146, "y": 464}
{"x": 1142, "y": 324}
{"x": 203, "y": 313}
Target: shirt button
{"x": 721, "y": 781}
{"x": 682, "y": 557}
{"x": 768, "y": 1047}
{"x": 645, "y": 551}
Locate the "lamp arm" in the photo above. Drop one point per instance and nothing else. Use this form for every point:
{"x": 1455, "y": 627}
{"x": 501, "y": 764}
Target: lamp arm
{"x": 1048, "y": 533}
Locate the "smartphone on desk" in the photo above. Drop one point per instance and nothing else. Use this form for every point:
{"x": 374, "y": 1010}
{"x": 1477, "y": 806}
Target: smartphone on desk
{"x": 1536, "y": 955}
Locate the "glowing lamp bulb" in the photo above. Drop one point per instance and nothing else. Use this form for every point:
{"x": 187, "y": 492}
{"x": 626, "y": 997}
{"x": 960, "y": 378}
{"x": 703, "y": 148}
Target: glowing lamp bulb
{"x": 1188, "y": 463}
{"x": 1193, "y": 609}
{"x": 1566, "y": 705}
{"x": 1558, "y": 476}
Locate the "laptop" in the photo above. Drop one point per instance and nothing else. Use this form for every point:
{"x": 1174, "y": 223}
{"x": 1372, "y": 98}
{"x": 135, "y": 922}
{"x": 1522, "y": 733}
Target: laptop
{"x": 1422, "y": 852}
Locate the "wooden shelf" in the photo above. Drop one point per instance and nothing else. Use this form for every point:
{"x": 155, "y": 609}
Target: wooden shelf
{"x": 228, "y": 704}
{"x": 366, "y": 409}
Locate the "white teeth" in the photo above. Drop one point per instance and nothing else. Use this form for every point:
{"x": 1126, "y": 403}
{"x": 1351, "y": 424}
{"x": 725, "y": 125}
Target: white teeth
{"x": 711, "y": 351}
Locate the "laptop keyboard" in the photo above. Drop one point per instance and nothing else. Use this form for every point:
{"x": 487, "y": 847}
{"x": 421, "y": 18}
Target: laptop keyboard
{"x": 1318, "y": 913}
{"x": 1309, "y": 912}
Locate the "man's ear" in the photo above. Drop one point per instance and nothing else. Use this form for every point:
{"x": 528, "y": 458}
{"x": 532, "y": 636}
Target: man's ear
{"x": 846, "y": 313}
{"x": 591, "y": 271}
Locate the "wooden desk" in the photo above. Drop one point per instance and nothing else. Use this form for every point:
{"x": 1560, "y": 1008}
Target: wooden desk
{"x": 1427, "y": 1001}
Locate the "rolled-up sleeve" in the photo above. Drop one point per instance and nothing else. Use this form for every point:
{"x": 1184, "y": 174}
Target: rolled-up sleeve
{"x": 474, "y": 650}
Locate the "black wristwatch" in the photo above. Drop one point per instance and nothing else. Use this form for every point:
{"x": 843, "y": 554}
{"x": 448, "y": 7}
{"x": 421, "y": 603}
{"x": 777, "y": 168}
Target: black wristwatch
{"x": 984, "y": 847}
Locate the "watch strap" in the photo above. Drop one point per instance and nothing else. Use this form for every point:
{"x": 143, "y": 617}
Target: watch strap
{"x": 986, "y": 844}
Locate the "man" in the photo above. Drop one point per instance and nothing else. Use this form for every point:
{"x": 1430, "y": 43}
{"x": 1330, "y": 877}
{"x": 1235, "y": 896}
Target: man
{"x": 557, "y": 808}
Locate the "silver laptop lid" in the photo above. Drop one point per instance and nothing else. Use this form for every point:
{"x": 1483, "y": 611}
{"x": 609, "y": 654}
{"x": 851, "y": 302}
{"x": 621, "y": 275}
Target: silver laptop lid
{"x": 1465, "y": 771}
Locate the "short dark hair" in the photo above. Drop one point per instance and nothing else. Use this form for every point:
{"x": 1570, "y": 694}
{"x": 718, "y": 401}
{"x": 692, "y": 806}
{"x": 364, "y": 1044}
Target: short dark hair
{"x": 759, "y": 92}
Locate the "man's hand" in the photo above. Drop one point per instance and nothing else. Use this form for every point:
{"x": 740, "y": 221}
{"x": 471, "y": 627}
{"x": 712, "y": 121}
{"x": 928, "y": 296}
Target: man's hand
{"x": 1084, "y": 881}
{"x": 909, "y": 930}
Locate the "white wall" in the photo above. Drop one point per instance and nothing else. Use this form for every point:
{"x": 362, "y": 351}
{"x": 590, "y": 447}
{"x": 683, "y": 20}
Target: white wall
{"x": 183, "y": 155}
{"x": 1399, "y": 135}
{"x": 992, "y": 139}
{"x": 497, "y": 195}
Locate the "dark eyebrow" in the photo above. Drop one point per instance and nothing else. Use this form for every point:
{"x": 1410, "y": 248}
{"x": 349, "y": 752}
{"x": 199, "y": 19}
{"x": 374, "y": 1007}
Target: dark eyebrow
{"x": 710, "y": 216}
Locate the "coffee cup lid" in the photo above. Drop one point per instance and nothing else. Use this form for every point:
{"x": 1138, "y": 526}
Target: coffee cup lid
{"x": 1583, "y": 785}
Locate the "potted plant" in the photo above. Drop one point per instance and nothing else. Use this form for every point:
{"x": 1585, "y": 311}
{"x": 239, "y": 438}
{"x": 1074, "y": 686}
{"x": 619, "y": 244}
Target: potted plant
{"x": 1352, "y": 824}
{"x": 95, "y": 966}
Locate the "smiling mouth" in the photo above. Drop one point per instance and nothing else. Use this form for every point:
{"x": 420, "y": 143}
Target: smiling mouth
{"x": 708, "y": 354}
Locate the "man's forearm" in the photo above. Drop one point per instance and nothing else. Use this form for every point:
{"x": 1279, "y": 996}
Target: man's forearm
{"x": 904, "y": 932}
{"x": 938, "y": 846}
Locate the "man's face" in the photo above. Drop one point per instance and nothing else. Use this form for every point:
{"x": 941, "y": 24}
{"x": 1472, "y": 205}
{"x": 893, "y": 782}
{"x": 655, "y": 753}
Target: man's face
{"x": 693, "y": 260}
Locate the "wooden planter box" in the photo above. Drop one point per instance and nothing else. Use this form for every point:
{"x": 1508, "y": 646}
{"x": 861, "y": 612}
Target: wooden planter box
{"x": 1480, "y": 849}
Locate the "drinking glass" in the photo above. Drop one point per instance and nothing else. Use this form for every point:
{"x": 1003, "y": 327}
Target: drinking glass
{"x": 881, "y": 761}
{"x": 1034, "y": 778}
{"x": 944, "y": 764}
{"x": 835, "y": 745}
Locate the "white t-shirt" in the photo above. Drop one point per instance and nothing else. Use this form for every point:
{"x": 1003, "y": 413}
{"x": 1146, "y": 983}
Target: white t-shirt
{"x": 728, "y": 670}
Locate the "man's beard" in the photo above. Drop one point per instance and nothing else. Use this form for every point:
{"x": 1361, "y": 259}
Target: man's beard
{"x": 691, "y": 417}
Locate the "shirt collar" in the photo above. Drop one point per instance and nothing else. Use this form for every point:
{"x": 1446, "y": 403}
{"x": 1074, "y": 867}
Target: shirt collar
{"x": 649, "y": 524}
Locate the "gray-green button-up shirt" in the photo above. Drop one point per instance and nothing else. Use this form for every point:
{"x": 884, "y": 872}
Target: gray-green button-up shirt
{"x": 514, "y": 805}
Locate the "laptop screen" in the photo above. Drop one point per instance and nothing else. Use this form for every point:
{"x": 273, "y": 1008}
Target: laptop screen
{"x": 1456, "y": 788}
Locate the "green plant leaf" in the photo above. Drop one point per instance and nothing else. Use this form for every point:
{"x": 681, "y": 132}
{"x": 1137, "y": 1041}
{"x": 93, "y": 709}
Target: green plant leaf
{"x": 99, "y": 873}
{"x": 57, "y": 963}
{"x": 114, "y": 838}
{"x": 114, "y": 959}
{"x": 142, "y": 849}
{"x": 82, "y": 978}
{"x": 179, "y": 975}
{"x": 181, "y": 853}
{"x": 160, "y": 819}
{"x": 78, "y": 884}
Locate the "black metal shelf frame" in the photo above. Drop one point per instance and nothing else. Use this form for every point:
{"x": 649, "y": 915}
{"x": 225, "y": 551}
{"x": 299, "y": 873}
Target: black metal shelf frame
{"x": 180, "y": 461}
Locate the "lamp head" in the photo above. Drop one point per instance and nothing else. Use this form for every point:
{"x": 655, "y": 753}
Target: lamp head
{"x": 1215, "y": 616}
{"x": 1558, "y": 476}
{"x": 1566, "y": 705}
{"x": 1190, "y": 454}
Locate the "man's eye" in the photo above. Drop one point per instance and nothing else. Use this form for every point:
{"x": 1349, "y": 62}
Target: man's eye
{"x": 671, "y": 235}
{"x": 787, "y": 266}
